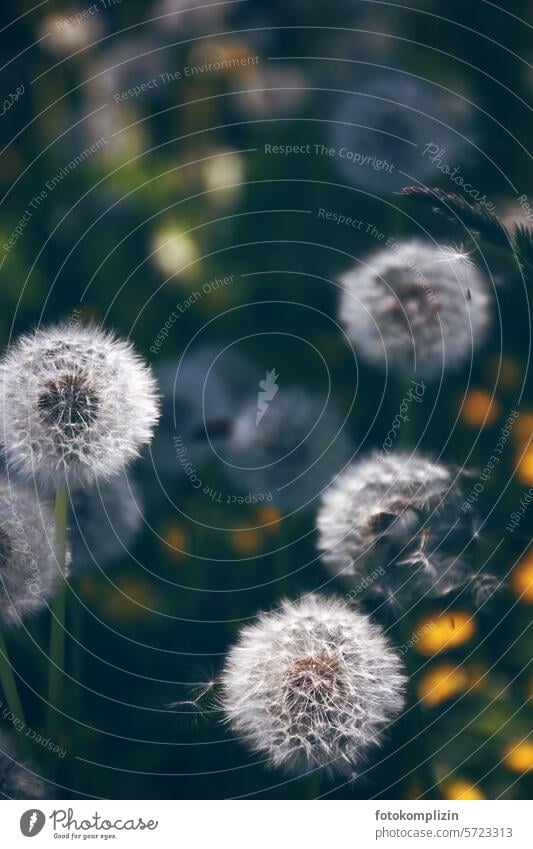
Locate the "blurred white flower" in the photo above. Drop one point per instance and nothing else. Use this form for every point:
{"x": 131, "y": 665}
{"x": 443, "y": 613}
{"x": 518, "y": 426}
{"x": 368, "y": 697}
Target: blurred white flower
{"x": 70, "y": 30}
{"x": 29, "y": 575}
{"x": 198, "y": 406}
{"x": 416, "y": 307}
{"x": 265, "y": 92}
{"x": 103, "y": 134}
{"x": 189, "y": 16}
{"x": 77, "y": 403}
{"x": 124, "y": 64}
{"x": 173, "y": 251}
{"x": 390, "y": 118}
{"x": 393, "y": 526}
{"x": 292, "y": 451}
{"x": 314, "y": 684}
{"x": 222, "y": 176}
{"x": 18, "y": 779}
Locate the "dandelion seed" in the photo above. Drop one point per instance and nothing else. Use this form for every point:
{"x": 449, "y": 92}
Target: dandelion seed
{"x": 408, "y": 308}
{"x": 398, "y": 518}
{"x": 312, "y": 685}
{"x": 76, "y": 404}
{"x": 29, "y": 575}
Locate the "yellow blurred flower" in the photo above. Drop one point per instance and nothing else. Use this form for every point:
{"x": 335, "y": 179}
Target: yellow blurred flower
{"x": 176, "y": 542}
{"x": 133, "y": 599}
{"x": 518, "y": 756}
{"x": 270, "y": 518}
{"x": 246, "y": 541}
{"x": 441, "y": 683}
{"x": 173, "y": 250}
{"x": 460, "y": 788}
{"x": 444, "y": 632}
{"x": 523, "y": 429}
{"x": 521, "y": 579}
{"x": 479, "y": 408}
{"x": 524, "y": 467}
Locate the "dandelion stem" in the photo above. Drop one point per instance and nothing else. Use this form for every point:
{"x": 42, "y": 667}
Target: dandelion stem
{"x": 57, "y": 627}
{"x": 9, "y": 683}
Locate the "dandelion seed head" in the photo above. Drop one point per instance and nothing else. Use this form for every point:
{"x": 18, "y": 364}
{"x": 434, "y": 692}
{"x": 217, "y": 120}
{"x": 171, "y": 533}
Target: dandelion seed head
{"x": 292, "y": 450}
{"x": 312, "y": 685}
{"x": 29, "y": 575}
{"x": 200, "y": 395}
{"x": 76, "y": 403}
{"x": 17, "y": 778}
{"x": 416, "y": 308}
{"x": 398, "y": 518}
{"x": 383, "y": 121}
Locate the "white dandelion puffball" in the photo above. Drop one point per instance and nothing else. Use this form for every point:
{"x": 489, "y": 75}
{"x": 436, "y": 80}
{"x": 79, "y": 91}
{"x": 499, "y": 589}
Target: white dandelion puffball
{"x": 17, "y": 778}
{"x": 29, "y": 574}
{"x": 312, "y": 685}
{"x": 76, "y": 403}
{"x": 200, "y": 393}
{"x": 288, "y": 444}
{"x": 392, "y": 125}
{"x": 392, "y": 525}
{"x": 415, "y": 307}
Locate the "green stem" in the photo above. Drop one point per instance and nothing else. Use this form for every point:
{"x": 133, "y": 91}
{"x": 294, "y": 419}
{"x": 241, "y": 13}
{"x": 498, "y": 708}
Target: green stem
{"x": 77, "y": 660}
{"x": 57, "y": 626}
{"x": 9, "y": 683}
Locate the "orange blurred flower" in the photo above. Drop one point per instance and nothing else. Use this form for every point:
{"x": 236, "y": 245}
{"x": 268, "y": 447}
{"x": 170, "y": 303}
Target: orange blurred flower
{"x": 133, "y": 599}
{"x": 460, "y": 788}
{"x": 246, "y": 540}
{"x": 444, "y": 632}
{"x": 479, "y": 408}
{"x": 270, "y": 518}
{"x": 523, "y": 429}
{"x": 518, "y": 756}
{"x": 441, "y": 683}
{"x": 524, "y": 467}
{"x": 176, "y": 542}
{"x": 521, "y": 579}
